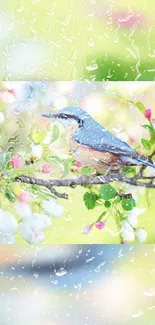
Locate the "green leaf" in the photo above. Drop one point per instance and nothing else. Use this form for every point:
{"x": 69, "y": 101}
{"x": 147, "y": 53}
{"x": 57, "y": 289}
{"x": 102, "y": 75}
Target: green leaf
{"x": 55, "y": 133}
{"x": 66, "y": 167}
{"x": 152, "y": 140}
{"x": 53, "y": 160}
{"x": 86, "y": 171}
{"x": 141, "y": 107}
{"x": 122, "y": 217}
{"x": 4, "y": 159}
{"x": 107, "y": 204}
{"x": 90, "y": 199}
{"x": 100, "y": 217}
{"x": 128, "y": 204}
{"x": 149, "y": 128}
{"x": 146, "y": 144}
{"x": 129, "y": 170}
{"x": 107, "y": 192}
{"x": 9, "y": 194}
{"x": 117, "y": 199}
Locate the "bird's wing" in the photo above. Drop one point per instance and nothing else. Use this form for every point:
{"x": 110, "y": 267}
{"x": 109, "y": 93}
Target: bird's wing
{"x": 100, "y": 139}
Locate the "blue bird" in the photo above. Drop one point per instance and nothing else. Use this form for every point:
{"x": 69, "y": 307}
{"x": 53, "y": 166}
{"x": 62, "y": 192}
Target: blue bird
{"x": 95, "y": 146}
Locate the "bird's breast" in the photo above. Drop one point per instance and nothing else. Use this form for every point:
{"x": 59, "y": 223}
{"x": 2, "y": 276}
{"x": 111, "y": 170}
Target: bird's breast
{"x": 94, "y": 159}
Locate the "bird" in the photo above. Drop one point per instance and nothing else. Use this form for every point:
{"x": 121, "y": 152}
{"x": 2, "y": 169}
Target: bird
{"x": 93, "y": 145}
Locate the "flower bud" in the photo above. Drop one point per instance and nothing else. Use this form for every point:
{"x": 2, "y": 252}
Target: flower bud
{"x": 148, "y": 113}
{"x": 16, "y": 162}
{"x": 87, "y": 229}
{"x": 124, "y": 242}
{"x": 78, "y": 164}
{"x": 100, "y": 224}
{"x": 24, "y": 197}
{"x": 46, "y": 168}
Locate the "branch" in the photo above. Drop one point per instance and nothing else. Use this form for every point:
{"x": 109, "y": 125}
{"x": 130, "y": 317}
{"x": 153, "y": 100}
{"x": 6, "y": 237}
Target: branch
{"x": 138, "y": 180}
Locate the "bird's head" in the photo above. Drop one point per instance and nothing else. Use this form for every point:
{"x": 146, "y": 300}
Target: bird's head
{"x": 69, "y": 115}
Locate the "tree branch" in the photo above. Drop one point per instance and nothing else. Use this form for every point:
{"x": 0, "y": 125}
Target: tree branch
{"x": 138, "y": 180}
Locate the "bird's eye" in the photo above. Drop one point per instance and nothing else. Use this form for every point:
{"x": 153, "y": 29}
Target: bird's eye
{"x": 80, "y": 123}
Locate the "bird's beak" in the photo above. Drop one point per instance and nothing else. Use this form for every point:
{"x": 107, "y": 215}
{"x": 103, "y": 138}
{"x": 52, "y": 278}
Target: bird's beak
{"x": 49, "y": 115}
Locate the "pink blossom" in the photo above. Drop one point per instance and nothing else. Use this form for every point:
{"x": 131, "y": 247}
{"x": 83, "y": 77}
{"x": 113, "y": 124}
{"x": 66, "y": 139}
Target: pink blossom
{"x": 24, "y": 197}
{"x": 16, "y": 162}
{"x": 148, "y": 113}
{"x": 78, "y": 164}
{"x": 128, "y": 19}
{"x": 87, "y": 229}
{"x": 46, "y": 168}
{"x": 100, "y": 224}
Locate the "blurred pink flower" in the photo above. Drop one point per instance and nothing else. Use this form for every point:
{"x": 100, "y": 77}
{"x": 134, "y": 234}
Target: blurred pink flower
{"x": 24, "y": 197}
{"x": 12, "y": 91}
{"x": 148, "y": 113}
{"x": 78, "y": 164}
{"x": 100, "y": 224}
{"x": 87, "y": 229}
{"x": 16, "y": 162}
{"x": 46, "y": 168}
{"x": 128, "y": 19}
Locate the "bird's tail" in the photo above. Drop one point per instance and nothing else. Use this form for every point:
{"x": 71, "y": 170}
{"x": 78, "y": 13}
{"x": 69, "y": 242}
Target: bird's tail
{"x": 140, "y": 160}
{"x": 146, "y": 162}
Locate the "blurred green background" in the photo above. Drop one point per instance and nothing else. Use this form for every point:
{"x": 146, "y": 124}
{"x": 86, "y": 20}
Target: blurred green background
{"x": 66, "y": 40}
{"x": 108, "y": 104}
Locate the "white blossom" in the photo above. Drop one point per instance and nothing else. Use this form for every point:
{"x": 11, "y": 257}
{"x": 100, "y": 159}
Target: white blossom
{"x": 48, "y": 138}
{"x": 37, "y": 150}
{"x": 23, "y": 209}
{"x": 32, "y": 228}
{"x": 133, "y": 214}
{"x": 39, "y": 221}
{"x": 29, "y": 233}
{"x": 53, "y": 208}
{"x": 136, "y": 192}
{"x": 7, "y": 239}
{"x": 8, "y": 223}
{"x": 141, "y": 235}
{"x": 136, "y": 211}
{"x": 133, "y": 220}
{"x": 127, "y": 231}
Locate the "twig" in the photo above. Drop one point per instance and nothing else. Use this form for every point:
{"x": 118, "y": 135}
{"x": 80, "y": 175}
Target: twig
{"x": 84, "y": 181}
{"x": 56, "y": 193}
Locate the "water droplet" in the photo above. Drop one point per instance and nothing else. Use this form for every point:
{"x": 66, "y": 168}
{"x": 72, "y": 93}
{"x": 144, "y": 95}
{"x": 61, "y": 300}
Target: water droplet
{"x": 149, "y": 293}
{"x": 60, "y": 272}
{"x": 138, "y": 314}
{"x": 92, "y": 67}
